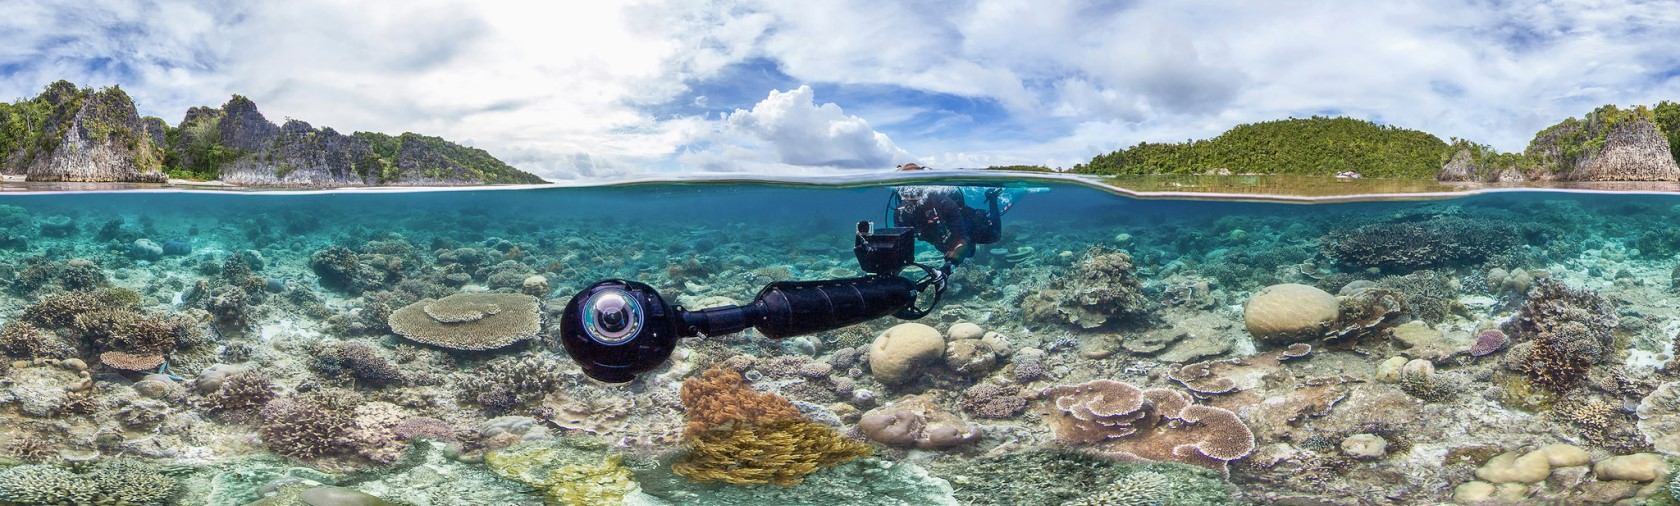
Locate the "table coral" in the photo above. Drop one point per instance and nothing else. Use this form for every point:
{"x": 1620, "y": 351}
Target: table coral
{"x": 469, "y": 321}
{"x": 1120, "y": 420}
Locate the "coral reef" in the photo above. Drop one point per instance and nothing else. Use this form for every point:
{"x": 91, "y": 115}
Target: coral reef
{"x": 1431, "y": 242}
{"x": 1100, "y": 287}
{"x": 1562, "y": 331}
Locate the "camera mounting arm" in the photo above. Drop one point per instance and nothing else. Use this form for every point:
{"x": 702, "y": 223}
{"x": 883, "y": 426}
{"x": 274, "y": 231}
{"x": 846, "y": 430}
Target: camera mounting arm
{"x": 616, "y": 329}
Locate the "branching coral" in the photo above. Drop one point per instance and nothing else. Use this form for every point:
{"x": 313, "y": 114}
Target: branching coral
{"x": 779, "y": 452}
{"x": 721, "y": 396}
{"x": 1100, "y": 288}
{"x": 308, "y": 426}
{"x": 1436, "y": 241}
{"x": 241, "y": 391}
{"x": 357, "y": 362}
{"x": 507, "y": 383}
{"x": 1566, "y": 331}
{"x": 20, "y": 339}
{"x": 738, "y": 435}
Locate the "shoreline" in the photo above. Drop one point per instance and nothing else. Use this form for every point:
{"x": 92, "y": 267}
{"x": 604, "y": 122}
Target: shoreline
{"x": 1308, "y": 189}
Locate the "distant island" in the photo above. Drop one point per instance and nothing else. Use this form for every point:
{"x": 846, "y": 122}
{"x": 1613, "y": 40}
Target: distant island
{"x": 68, "y": 133}
{"x": 1607, "y": 144}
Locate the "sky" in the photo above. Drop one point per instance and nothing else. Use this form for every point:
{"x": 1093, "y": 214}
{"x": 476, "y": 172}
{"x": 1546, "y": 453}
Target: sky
{"x": 576, "y": 90}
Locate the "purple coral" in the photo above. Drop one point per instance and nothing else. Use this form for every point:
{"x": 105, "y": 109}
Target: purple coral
{"x": 1487, "y": 342}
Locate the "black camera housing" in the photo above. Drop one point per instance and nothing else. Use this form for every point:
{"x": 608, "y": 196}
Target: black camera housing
{"x": 884, "y": 251}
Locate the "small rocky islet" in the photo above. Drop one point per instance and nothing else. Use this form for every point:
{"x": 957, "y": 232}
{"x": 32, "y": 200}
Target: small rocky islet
{"x": 1513, "y": 348}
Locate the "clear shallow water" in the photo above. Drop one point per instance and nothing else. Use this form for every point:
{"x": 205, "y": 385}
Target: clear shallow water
{"x": 308, "y": 312}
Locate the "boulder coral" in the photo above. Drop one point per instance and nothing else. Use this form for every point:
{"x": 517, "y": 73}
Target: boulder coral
{"x": 896, "y": 353}
{"x": 1120, "y": 420}
{"x": 1288, "y": 313}
{"x": 917, "y": 421}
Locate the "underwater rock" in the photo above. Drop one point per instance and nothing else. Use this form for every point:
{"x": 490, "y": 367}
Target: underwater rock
{"x": 339, "y": 496}
{"x": 917, "y": 421}
{"x": 1364, "y": 446}
{"x": 871, "y": 481}
{"x": 1287, "y": 313}
{"x": 896, "y": 353}
{"x": 469, "y": 321}
{"x": 1427, "y": 343}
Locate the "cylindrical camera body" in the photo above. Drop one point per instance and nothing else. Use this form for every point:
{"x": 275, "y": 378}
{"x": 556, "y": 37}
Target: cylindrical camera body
{"x": 792, "y": 308}
{"x": 616, "y": 329}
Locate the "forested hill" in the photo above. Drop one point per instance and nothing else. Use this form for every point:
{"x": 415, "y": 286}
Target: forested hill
{"x": 1310, "y": 146}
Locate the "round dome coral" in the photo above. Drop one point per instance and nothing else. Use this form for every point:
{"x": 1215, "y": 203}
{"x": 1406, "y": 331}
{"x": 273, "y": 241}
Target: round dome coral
{"x": 1286, "y": 313}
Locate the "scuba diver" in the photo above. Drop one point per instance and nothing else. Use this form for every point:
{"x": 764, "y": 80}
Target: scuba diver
{"x": 616, "y": 329}
{"x": 941, "y": 217}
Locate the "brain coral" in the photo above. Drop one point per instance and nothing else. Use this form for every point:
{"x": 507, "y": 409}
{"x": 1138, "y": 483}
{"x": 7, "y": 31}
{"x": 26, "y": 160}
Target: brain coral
{"x": 1119, "y": 420}
{"x": 896, "y": 353}
{"x": 1286, "y": 313}
{"x": 470, "y": 321}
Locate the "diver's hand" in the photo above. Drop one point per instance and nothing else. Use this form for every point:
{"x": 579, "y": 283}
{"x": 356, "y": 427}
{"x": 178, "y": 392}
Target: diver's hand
{"x": 993, "y": 193}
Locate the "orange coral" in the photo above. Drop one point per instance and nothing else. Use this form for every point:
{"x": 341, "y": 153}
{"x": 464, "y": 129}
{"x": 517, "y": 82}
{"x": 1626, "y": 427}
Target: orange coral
{"x": 720, "y": 396}
{"x": 739, "y": 435}
{"x": 779, "y": 452}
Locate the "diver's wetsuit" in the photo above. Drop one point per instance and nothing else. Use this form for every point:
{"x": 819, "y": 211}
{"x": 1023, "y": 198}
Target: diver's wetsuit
{"x": 943, "y": 219}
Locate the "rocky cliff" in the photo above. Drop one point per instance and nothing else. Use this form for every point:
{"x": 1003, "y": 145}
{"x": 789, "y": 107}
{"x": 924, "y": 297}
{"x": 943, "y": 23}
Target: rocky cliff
{"x": 76, "y": 134}
{"x": 72, "y": 134}
{"x": 1609, "y": 144}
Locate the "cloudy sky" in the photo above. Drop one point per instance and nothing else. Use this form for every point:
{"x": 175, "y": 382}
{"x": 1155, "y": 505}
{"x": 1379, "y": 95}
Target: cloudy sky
{"x": 636, "y": 88}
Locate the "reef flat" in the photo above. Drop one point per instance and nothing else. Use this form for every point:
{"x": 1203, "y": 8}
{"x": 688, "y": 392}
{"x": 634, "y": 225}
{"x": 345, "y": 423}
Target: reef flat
{"x": 401, "y": 348}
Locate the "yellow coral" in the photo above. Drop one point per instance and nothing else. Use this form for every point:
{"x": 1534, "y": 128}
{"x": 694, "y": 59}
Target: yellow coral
{"x": 567, "y": 472}
{"x": 589, "y": 484}
{"x": 781, "y": 452}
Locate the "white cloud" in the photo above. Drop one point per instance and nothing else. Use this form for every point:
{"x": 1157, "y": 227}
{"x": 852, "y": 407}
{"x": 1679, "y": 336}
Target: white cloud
{"x": 801, "y": 134}
{"x": 568, "y": 89}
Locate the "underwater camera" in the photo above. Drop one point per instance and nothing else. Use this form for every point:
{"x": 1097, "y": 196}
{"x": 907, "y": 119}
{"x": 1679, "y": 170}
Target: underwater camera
{"x": 616, "y": 329}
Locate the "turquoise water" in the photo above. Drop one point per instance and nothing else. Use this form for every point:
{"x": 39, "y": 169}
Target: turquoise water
{"x": 231, "y": 348}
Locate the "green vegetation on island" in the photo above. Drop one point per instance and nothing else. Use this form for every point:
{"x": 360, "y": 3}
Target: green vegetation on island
{"x": 1311, "y": 146}
{"x": 1607, "y": 144}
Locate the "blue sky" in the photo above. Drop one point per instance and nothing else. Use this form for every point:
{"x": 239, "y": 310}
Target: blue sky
{"x": 585, "y": 90}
